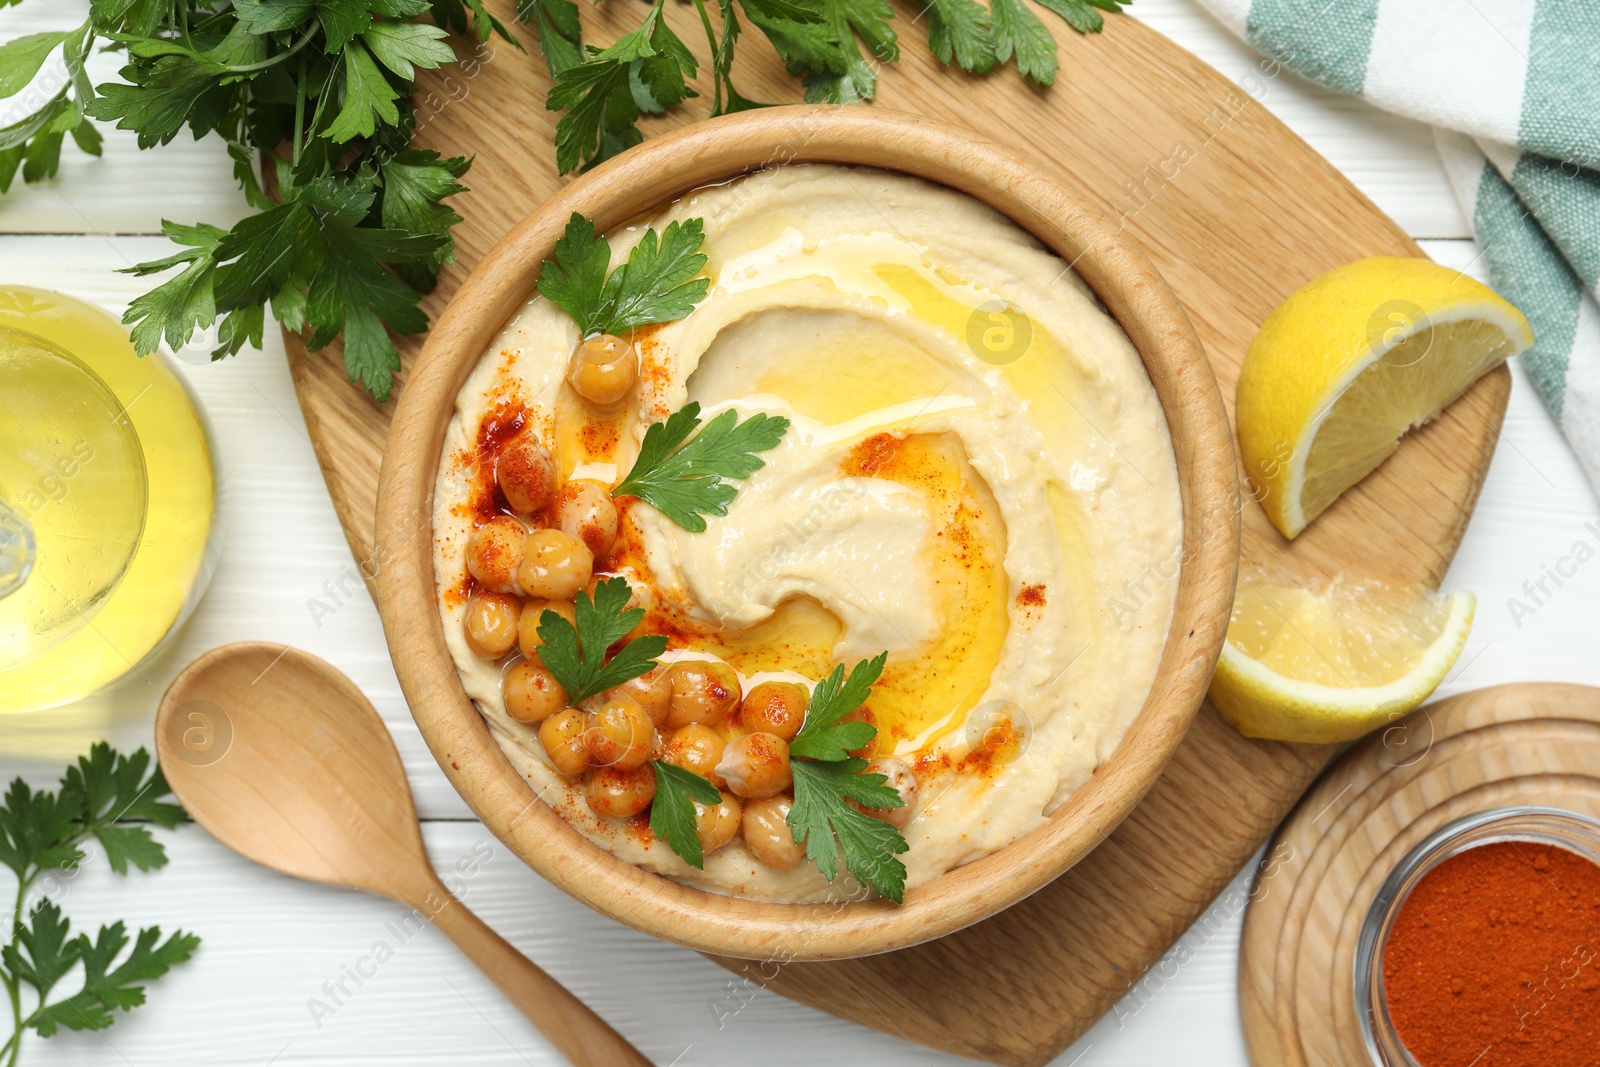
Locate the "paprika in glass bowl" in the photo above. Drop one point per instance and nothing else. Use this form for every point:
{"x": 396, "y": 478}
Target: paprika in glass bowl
{"x": 1482, "y": 947}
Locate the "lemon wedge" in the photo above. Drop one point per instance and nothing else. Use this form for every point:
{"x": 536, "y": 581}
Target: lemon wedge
{"x": 1349, "y": 363}
{"x": 1333, "y": 663}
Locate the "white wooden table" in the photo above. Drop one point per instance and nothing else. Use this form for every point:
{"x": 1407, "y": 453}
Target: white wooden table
{"x": 274, "y": 949}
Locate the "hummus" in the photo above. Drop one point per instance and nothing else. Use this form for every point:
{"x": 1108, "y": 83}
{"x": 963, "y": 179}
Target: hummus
{"x": 977, "y": 480}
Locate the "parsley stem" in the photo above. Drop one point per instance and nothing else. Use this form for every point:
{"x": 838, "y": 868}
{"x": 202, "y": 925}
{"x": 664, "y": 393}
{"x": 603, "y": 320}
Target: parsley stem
{"x": 716, "y": 66}
{"x": 272, "y": 61}
{"x": 299, "y": 108}
{"x": 13, "y": 1044}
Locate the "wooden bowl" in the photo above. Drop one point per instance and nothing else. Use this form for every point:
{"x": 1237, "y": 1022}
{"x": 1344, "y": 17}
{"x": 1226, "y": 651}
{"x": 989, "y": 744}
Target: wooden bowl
{"x": 637, "y": 181}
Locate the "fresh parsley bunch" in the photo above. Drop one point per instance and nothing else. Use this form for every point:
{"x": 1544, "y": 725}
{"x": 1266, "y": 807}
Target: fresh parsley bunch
{"x": 104, "y": 796}
{"x": 826, "y": 43}
{"x": 352, "y": 224}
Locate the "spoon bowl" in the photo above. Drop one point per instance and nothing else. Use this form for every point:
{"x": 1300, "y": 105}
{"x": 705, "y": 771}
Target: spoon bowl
{"x": 278, "y": 756}
{"x": 282, "y": 759}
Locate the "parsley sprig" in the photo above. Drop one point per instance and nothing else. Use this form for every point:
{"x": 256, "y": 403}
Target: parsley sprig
{"x": 686, "y": 479}
{"x": 824, "y": 736}
{"x": 575, "y": 652}
{"x": 104, "y": 796}
{"x": 827, "y": 777}
{"x": 672, "y": 815}
{"x": 656, "y": 284}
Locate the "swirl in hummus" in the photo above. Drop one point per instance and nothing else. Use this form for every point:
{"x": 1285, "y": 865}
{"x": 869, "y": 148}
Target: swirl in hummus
{"x": 977, "y": 479}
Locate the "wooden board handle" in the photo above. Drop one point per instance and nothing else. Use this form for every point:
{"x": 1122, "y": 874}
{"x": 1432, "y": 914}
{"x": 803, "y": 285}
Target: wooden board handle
{"x": 571, "y": 1025}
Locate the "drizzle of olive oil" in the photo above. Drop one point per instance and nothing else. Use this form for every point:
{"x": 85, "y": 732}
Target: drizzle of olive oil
{"x": 919, "y": 699}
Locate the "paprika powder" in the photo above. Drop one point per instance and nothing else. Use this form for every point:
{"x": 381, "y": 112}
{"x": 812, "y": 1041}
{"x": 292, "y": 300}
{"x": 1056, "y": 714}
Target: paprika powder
{"x": 1494, "y": 960}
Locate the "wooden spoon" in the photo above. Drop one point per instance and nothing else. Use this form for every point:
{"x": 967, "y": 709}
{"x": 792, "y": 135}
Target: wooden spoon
{"x": 280, "y": 757}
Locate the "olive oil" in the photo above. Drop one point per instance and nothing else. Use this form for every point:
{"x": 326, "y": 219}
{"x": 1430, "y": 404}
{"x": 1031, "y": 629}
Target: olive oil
{"x": 107, "y": 501}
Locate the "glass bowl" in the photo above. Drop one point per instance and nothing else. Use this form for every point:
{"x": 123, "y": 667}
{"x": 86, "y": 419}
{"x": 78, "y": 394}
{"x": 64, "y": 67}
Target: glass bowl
{"x": 1546, "y": 826}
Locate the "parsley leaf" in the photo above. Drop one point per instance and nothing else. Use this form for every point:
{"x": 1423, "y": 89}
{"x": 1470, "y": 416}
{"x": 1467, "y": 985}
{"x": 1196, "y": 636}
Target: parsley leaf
{"x": 403, "y": 46}
{"x": 960, "y": 30}
{"x": 672, "y": 814}
{"x": 576, "y": 653}
{"x": 858, "y": 80}
{"x": 686, "y": 481}
{"x": 458, "y": 16}
{"x": 1018, "y": 32}
{"x": 1081, "y": 14}
{"x": 823, "y": 736}
{"x": 826, "y": 825}
{"x": 40, "y": 952}
{"x": 108, "y": 984}
{"x": 368, "y": 97}
{"x": 115, "y": 788}
{"x": 555, "y": 22}
{"x": 39, "y": 831}
{"x": 415, "y": 182}
{"x": 575, "y": 279}
{"x": 656, "y": 284}
{"x": 598, "y": 94}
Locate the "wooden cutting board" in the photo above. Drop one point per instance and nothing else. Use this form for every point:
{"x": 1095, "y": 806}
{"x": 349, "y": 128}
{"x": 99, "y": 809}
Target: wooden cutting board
{"x": 1536, "y": 744}
{"x": 1236, "y": 212}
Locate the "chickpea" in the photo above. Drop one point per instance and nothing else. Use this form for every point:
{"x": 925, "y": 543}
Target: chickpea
{"x": 767, "y": 834}
{"x": 620, "y": 794}
{"x": 651, "y": 691}
{"x": 494, "y": 552}
{"x": 756, "y": 765}
{"x": 717, "y": 824}
{"x": 702, "y": 691}
{"x": 532, "y": 615}
{"x": 604, "y": 369}
{"x": 587, "y": 513}
{"x": 532, "y": 693}
{"x": 526, "y": 473}
{"x": 698, "y": 749}
{"x": 864, "y": 714}
{"x": 554, "y": 565}
{"x": 775, "y": 708}
{"x": 902, "y": 780}
{"x": 620, "y": 735}
{"x": 491, "y": 623}
{"x": 562, "y": 736}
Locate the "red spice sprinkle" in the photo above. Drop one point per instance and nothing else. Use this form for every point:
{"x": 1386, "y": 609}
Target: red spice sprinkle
{"x": 1492, "y": 960}
{"x": 1031, "y": 596}
{"x": 873, "y": 455}
{"x": 500, "y": 424}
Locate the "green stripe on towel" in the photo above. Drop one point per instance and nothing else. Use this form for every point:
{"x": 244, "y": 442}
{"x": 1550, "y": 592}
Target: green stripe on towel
{"x": 1529, "y": 272}
{"x": 1566, "y": 201}
{"x": 1324, "y": 40}
{"x": 1561, "y": 100}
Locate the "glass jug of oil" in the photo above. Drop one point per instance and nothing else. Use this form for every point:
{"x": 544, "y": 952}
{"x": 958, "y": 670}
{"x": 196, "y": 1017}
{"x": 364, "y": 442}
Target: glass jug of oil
{"x": 108, "y": 501}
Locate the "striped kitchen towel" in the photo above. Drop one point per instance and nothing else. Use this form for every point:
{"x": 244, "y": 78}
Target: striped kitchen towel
{"x": 1512, "y": 89}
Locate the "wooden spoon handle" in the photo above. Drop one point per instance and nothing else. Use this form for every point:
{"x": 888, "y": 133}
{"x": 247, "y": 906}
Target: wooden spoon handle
{"x": 572, "y": 1027}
